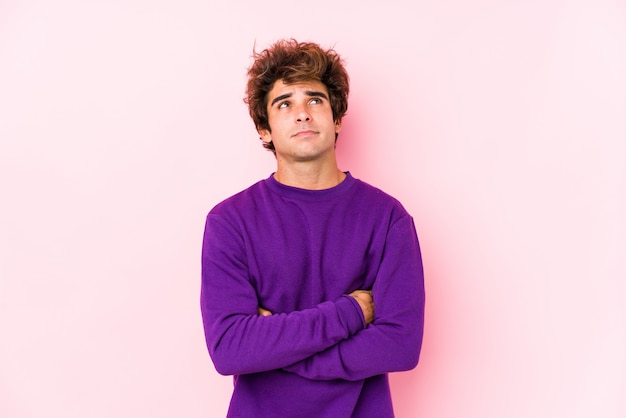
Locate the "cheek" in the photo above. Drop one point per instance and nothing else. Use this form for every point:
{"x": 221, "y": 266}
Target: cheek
{"x": 277, "y": 123}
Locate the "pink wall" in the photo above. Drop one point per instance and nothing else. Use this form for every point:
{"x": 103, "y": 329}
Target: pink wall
{"x": 500, "y": 125}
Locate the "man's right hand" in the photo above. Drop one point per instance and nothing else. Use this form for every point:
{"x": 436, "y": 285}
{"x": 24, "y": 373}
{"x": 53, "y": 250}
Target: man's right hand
{"x": 366, "y": 302}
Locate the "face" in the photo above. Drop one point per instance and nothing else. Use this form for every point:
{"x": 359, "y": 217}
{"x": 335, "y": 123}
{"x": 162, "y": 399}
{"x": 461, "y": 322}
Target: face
{"x": 301, "y": 122}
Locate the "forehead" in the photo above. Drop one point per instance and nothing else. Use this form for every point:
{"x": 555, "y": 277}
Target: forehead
{"x": 280, "y": 88}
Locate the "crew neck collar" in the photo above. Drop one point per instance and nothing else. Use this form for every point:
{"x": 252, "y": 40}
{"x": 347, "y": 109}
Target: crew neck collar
{"x": 307, "y": 194}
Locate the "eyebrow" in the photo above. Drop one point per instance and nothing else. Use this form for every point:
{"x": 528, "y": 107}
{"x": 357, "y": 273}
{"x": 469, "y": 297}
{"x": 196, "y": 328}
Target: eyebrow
{"x": 310, "y": 93}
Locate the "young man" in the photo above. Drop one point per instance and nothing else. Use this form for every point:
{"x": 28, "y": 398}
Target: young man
{"x": 312, "y": 280}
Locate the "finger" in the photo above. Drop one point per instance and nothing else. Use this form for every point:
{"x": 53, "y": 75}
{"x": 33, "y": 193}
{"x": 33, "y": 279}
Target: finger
{"x": 264, "y": 312}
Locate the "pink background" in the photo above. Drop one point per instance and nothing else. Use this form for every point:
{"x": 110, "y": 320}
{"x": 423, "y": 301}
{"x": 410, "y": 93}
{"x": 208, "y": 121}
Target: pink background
{"x": 499, "y": 124}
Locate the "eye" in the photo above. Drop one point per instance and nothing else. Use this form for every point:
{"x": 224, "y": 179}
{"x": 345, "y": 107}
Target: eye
{"x": 315, "y": 100}
{"x": 283, "y": 105}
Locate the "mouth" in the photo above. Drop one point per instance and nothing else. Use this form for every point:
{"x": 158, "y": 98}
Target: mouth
{"x": 304, "y": 133}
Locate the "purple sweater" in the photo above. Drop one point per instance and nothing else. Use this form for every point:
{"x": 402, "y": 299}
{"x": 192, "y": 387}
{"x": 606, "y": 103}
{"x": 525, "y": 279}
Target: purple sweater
{"x": 298, "y": 253}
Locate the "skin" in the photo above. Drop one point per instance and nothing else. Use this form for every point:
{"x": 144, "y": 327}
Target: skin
{"x": 303, "y": 132}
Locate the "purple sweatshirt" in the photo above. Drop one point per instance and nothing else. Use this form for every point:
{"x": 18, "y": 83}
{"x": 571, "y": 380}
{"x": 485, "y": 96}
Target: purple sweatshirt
{"x": 298, "y": 253}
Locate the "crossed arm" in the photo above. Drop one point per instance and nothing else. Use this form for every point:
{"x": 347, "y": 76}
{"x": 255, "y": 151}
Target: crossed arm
{"x": 363, "y": 297}
{"x": 342, "y": 339}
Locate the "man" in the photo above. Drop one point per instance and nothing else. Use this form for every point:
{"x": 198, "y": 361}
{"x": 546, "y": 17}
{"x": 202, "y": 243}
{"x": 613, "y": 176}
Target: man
{"x": 292, "y": 266}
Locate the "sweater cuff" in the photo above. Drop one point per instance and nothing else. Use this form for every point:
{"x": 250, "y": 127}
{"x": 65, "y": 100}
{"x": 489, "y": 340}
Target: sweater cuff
{"x": 350, "y": 314}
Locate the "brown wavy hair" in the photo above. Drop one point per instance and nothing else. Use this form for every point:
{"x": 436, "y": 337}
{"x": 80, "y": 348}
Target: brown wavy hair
{"x": 292, "y": 62}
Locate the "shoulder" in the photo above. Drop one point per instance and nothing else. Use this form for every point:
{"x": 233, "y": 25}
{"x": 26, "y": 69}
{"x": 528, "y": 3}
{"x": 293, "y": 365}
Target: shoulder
{"x": 240, "y": 202}
{"x": 376, "y": 198}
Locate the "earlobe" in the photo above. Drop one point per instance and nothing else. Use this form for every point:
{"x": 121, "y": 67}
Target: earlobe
{"x": 337, "y": 126}
{"x": 265, "y": 136}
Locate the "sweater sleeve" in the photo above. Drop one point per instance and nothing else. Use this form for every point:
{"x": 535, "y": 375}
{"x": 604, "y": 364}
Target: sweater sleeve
{"x": 392, "y": 342}
{"x": 238, "y": 339}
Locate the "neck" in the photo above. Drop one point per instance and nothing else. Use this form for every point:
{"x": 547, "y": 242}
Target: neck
{"x": 309, "y": 177}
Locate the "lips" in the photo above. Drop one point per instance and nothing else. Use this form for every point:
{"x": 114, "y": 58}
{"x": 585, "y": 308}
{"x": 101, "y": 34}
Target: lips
{"x": 305, "y": 132}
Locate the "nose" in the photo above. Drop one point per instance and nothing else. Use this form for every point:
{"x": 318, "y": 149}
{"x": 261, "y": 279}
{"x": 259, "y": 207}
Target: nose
{"x": 302, "y": 115}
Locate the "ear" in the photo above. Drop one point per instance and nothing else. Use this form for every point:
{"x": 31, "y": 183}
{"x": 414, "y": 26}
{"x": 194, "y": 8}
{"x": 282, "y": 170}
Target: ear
{"x": 266, "y": 136}
{"x": 337, "y": 126}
